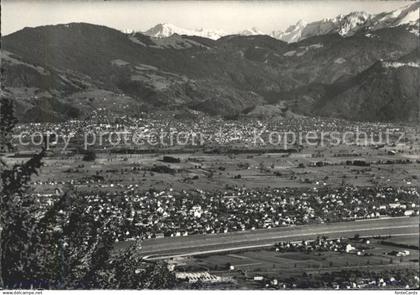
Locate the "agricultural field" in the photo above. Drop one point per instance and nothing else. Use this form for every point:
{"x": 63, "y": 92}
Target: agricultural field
{"x": 213, "y": 171}
{"x": 244, "y": 266}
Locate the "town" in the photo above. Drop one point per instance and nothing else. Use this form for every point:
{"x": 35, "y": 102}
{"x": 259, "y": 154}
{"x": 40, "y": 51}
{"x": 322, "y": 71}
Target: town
{"x": 228, "y": 183}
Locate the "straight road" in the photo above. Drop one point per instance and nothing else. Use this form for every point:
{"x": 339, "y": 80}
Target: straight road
{"x": 163, "y": 248}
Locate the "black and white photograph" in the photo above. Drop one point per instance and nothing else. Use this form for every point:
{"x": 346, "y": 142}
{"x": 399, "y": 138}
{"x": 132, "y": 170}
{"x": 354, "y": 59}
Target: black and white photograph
{"x": 252, "y": 145}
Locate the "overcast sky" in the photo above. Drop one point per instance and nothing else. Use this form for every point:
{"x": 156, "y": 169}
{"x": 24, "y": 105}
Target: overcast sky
{"x": 231, "y": 16}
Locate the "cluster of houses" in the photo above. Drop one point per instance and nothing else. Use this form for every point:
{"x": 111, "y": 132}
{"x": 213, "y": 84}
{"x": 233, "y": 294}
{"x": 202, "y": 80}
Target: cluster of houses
{"x": 320, "y": 244}
{"x": 351, "y": 279}
{"x": 203, "y": 276}
{"x": 169, "y": 213}
{"x": 205, "y": 129}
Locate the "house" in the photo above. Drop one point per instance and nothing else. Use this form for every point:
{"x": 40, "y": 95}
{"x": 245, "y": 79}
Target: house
{"x": 349, "y": 248}
{"x": 403, "y": 253}
{"x": 408, "y": 212}
{"x": 193, "y": 277}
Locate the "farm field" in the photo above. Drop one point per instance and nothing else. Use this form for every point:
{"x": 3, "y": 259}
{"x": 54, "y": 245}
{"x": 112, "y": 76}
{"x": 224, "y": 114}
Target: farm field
{"x": 243, "y": 266}
{"x": 216, "y": 172}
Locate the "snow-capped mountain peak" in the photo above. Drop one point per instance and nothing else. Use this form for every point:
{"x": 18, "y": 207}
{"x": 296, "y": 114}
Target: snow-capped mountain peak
{"x": 292, "y": 34}
{"x": 251, "y": 32}
{"x": 408, "y": 15}
{"x": 347, "y": 25}
{"x": 166, "y": 30}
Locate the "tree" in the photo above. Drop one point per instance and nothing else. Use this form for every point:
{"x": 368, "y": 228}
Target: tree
{"x": 128, "y": 270}
{"x": 7, "y": 123}
{"x": 18, "y": 222}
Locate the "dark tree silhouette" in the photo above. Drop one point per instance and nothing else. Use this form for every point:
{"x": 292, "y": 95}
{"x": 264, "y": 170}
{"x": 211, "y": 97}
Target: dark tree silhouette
{"x": 7, "y": 123}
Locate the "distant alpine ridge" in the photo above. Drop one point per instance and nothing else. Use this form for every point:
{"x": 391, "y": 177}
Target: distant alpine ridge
{"x": 357, "y": 67}
{"x": 345, "y": 25}
{"x": 167, "y": 30}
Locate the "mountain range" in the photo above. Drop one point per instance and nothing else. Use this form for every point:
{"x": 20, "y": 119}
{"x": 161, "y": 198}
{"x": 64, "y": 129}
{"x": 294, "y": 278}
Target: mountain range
{"x": 344, "y": 25}
{"x": 167, "y": 30}
{"x": 368, "y": 73}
